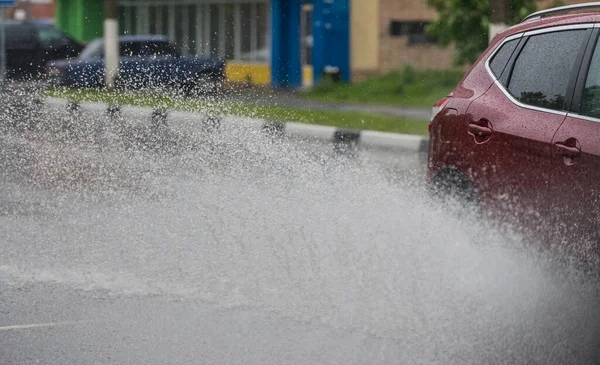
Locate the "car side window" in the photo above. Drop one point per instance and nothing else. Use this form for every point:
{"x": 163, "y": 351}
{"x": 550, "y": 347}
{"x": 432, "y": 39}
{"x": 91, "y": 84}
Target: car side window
{"x": 95, "y": 49}
{"x": 543, "y": 68}
{"x": 49, "y": 36}
{"x": 590, "y": 101}
{"x": 159, "y": 49}
{"x": 130, "y": 49}
{"x": 500, "y": 59}
{"x": 20, "y": 37}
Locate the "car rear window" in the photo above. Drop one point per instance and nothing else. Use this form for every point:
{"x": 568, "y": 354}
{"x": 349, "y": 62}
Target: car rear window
{"x": 49, "y": 36}
{"x": 20, "y": 37}
{"x": 543, "y": 68}
{"x": 500, "y": 59}
{"x": 130, "y": 49}
{"x": 158, "y": 48}
{"x": 95, "y": 49}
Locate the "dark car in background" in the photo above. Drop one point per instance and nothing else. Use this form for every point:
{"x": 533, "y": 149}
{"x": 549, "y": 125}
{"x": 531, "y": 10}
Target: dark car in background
{"x": 30, "y": 45}
{"x": 145, "y": 62}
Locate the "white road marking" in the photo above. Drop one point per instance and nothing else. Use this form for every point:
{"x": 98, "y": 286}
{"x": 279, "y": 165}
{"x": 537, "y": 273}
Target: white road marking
{"x": 38, "y": 325}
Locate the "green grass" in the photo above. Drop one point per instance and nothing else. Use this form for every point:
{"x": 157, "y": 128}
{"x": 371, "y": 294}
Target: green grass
{"x": 408, "y": 87}
{"x": 340, "y": 119}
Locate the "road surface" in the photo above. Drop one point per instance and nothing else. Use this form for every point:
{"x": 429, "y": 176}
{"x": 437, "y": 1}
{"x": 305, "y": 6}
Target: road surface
{"x": 237, "y": 248}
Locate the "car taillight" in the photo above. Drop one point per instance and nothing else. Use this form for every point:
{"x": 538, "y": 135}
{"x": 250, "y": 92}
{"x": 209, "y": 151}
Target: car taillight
{"x": 437, "y": 108}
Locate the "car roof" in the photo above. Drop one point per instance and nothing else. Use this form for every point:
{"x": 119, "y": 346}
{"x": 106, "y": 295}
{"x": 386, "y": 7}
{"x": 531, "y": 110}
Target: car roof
{"x": 552, "y": 21}
{"x": 137, "y": 38}
{"x": 12, "y": 22}
{"x": 144, "y": 38}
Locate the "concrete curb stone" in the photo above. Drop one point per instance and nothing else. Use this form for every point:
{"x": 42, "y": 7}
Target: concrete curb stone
{"x": 337, "y": 136}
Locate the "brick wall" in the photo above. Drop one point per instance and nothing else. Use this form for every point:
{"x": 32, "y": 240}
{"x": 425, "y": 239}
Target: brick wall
{"x": 395, "y": 51}
{"x": 40, "y": 9}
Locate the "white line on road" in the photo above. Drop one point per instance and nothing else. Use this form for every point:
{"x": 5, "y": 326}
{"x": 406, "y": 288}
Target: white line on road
{"x": 38, "y": 325}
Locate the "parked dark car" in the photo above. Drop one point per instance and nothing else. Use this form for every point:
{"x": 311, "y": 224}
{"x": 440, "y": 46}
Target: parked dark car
{"x": 30, "y": 45}
{"x": 520, "y": 134}
{"x": 145, "y": 62}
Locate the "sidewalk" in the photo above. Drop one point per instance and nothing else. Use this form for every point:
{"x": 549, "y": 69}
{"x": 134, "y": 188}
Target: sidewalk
{"x": 290, "y": 99}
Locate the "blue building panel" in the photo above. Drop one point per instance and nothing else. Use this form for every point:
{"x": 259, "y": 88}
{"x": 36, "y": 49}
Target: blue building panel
{"x": 331, "y": 40}
{"x": 331, "y": 29}
{"x": 286, "y": 67}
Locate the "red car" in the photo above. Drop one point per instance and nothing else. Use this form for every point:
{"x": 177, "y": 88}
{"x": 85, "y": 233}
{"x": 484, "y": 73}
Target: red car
{"x": 520, "y": 134}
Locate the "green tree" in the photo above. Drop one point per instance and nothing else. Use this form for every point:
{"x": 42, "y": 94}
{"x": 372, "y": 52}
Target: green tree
{"x": 465, "y": 23}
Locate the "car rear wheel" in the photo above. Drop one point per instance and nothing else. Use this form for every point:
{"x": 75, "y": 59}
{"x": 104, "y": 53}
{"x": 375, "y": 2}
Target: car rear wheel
{"x": 453, "y": 190}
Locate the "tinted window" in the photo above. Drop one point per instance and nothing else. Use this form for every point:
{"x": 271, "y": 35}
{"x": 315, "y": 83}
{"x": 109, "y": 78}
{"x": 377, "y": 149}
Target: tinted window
{"x": 160, "y": 49}
{"x": 126, "y": 49}
{"x": 501, "y": 57}
{"x": 95, "y": 49}
{"x": 50, "y": 36}
{"x": 590, "y": 103}
{"x": 130, "y": 49}
{"x": 20, "y": 37}
{"x": 543, "y": 68}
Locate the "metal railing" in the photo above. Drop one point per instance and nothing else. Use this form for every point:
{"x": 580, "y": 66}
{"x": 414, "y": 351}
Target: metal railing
{"x": 543, "y": 13}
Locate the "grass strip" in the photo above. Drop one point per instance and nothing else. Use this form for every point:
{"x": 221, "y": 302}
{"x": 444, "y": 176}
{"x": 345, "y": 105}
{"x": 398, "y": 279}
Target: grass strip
{"x": 340, "y": 119}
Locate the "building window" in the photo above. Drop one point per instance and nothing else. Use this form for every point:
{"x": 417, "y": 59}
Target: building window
{"x": 414, "y": 30}
{"x": 233, "y": 29}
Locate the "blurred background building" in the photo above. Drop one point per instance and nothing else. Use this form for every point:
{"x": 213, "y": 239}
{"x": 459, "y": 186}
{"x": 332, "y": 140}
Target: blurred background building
{"x": 279, "y": 42}
{"x": 284, "y": 42}
{"x": 33, "y": 9}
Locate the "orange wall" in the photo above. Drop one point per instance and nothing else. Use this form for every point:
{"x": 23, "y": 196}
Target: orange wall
{"x": 38, "y": 10}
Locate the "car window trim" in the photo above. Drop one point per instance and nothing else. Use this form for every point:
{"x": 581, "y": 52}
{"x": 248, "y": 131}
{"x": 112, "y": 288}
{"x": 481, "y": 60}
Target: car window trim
{"x": 525, "y": 36}
{"x": 496, "y": 51}
{"x": 508, "y": 69}
{"x": 584, "y": 117}
{"x": 505, "y": 40}
{"x": 571, "y": 85}
{"x": 583, "y": 72}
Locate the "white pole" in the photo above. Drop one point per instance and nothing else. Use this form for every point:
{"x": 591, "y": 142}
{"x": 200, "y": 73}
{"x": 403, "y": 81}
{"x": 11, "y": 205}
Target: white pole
{"x": 2, "y": 46}
{"x": 111, "y": 43}
{"x": 499, "y": 17}
{"x": 496, "y": 28}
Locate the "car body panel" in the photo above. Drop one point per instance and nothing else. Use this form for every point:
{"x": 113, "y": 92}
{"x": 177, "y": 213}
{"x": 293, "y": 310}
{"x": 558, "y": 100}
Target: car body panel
{"x": 519, "y": 157}
{"x": 574, "y": 179}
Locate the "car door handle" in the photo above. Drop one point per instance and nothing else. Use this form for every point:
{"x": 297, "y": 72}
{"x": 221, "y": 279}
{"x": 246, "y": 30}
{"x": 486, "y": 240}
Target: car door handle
{"x": 479, "y": 130}
{"x": 567, "y": 151}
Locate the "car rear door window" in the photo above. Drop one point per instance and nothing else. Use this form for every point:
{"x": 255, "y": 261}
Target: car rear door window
{"x": 543, "y": 68}
{"x": 20, "y": 37}
{"x": 157, "y": 49}
{"x": 95, "y": 49}
{"x": 501, "y": 57}
{"x": 50, "y": 36}
{"x": 130, "y": 49}
{"x": 590, "y": 101}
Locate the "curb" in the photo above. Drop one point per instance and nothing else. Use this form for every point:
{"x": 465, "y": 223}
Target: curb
{"x": 342, "y": 139}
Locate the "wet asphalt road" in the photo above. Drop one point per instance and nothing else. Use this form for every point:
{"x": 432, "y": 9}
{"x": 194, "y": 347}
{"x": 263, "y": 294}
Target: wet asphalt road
{"x": 60, "y": 305}
{"x": 119, "y": 247}
{"x": 159, "y": 330}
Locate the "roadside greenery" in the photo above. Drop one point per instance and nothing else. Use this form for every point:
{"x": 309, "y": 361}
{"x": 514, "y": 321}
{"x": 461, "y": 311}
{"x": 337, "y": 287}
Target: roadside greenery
{"x": 466, "y": 24}
{"x": 340, "y": 119}
{"x": 407, "y": 87}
